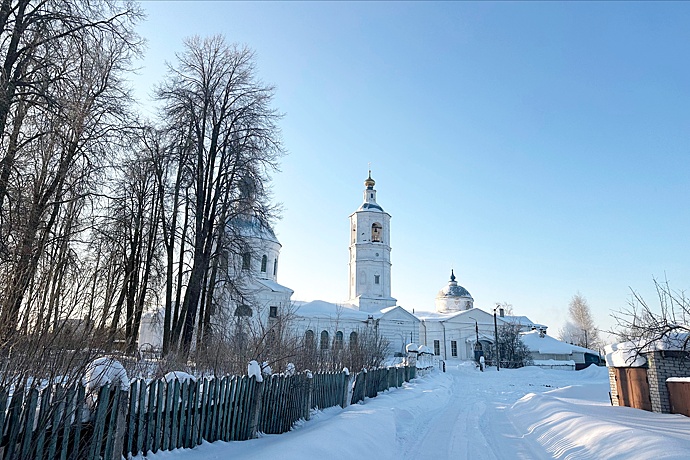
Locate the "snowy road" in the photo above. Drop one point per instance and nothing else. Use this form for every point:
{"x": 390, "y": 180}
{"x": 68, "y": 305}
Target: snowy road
{"x": 526, "y": 413}
{"x": 472, "y": 423}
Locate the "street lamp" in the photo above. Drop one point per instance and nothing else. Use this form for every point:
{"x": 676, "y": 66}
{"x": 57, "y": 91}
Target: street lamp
{"x": 498, "y": 356}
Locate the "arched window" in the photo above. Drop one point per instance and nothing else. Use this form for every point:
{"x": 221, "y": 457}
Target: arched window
{"x": 246, "y": 260}
{"x": 309, "y": 339}
{"x": 264, "y": 262}
{"x": 338, "y": 340}
{"x": 324, "y": 340}
{"x": 275, "y": 267}
{"x": 353, "y": 340}
{"x": 376, "y": 232}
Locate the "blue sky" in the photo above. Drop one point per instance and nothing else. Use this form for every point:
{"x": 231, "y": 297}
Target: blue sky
{"x": 540, "y": 149}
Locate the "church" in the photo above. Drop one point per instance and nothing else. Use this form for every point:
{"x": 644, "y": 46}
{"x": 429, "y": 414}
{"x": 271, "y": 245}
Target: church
{"x": 455, "y": 330}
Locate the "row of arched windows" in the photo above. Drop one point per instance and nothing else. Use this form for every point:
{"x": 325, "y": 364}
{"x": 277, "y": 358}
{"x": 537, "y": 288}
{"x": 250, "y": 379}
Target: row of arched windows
{"x": 324, "y": 339}
{"x": 247, "y": 258}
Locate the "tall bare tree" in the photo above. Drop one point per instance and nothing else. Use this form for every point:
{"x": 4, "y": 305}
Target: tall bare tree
{"x": 62, "y": 99}
{"x": 213, "y": 101}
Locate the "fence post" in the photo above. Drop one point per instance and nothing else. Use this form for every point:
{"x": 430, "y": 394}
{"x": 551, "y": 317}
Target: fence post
{"x": 346, "y": 388}
{"x": 365, "y": 377}
{"x": 257, "y": 398}
{"x": 120, "y": 423}
{"x": 310, "y": 390}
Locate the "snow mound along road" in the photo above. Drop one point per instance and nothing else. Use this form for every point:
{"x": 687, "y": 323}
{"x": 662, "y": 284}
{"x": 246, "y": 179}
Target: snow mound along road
{"x": 572, "y": 428}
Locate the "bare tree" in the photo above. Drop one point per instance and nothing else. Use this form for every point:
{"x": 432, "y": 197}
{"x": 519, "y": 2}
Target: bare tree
{"x": 507, "y": 308}
{"x": 213, "y": 101}
{"x": 580, "y": 329}
{"x": 514, "y": 353}
{"x": 643, "y": 324}
{"x": 61, "y": 100}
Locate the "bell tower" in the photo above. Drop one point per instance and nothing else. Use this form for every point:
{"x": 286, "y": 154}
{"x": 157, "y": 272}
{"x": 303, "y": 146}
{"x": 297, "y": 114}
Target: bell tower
{"x": 370, "y": 254}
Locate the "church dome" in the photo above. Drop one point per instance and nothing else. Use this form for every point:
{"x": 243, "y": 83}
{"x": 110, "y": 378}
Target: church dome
{"x": 453, "y": 297}
{"x": 369, "y": 182}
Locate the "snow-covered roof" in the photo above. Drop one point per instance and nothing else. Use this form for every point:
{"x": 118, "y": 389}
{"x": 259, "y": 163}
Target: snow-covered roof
{"x": 252, "y": 226}
{"x": 623, "y": 355}
{"x": 435, "y": 316}
{"x": 626, "y": 354}
{"x": 522, "y": 321}
{"x": 370, "y": 207}
{"x": 453, "y": 289}
{"x": 550, "y": 345}
{"x": 328, "y": 310}
{"x": 482, "y": 337}
{"x": 387, "y": 309}
{"x": 273, "y": 286}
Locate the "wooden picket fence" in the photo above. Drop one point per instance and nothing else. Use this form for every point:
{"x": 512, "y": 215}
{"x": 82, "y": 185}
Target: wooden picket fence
{"x": 368, "y": 384}
{"x": 158, "y": 415}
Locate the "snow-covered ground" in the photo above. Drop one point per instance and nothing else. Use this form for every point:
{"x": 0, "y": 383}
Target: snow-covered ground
{"x": 527, "y": 413}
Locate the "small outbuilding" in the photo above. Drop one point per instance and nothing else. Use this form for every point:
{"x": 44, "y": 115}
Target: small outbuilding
{"x": 653, "y": 377}
{"x": 550, "y": 353}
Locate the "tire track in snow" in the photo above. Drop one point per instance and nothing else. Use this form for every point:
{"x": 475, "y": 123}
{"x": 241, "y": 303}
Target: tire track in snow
{"x": 470, "y": 424}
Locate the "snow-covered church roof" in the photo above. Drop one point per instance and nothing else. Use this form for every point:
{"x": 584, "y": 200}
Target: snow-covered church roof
{"x": 328, "y": 310}
{"x": 370, "y": 207}
{"x": 453, "y": 289}
{"x": 253, "y": 227}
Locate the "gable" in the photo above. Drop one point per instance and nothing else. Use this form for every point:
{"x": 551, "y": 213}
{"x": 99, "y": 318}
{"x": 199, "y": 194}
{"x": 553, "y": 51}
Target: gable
{"x": 399, "y": 314}
{"x": 472, "y": 315}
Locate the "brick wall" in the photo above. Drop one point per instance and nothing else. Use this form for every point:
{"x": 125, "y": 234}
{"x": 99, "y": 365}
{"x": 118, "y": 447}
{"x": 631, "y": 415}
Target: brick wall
{"x": 614, "y": 386}
{"x": 662, "y": 365}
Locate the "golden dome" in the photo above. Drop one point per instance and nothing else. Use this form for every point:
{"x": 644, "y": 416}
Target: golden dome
{"x": 369, "y": 182}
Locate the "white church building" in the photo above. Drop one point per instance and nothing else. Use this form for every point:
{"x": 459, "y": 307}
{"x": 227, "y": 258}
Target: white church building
{"x": 453, "y": 331}
{"x": 370, "y": 304}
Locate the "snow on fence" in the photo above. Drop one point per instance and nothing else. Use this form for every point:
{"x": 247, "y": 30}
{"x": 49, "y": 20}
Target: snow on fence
{"x": 368, "y": 384}
{"x": 58, "y": 423}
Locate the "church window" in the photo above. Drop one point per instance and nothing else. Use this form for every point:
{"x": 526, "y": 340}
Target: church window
{"x": 338, "y": 340}
{"x": 353, "y": 340}
{"x": 377, "y": 279}
{"x": 275, "y": 267}
{"x": 437, "y": 347}
{"x": 264, "y": 262}
{"x": 273, "y": 312}
{"x": 243, "y": 310}
{"x": 309, "y": 339}
{"x": 371, "y": 195}
{"x": 376, "y": 232}
{"x": 454, "y": 348}
{"x": 246, "y": 260}
{"x": 324, "y": 340}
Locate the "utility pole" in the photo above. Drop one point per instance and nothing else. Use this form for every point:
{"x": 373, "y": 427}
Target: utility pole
{"x": 498, "y": 356}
